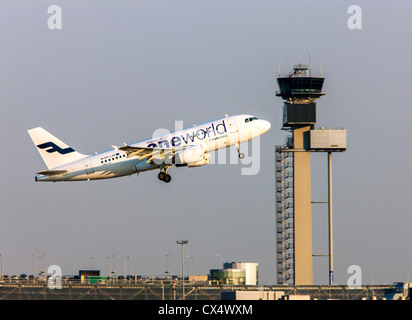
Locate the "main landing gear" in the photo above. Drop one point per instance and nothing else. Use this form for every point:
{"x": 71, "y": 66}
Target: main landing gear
{"x": 164, "y": 176}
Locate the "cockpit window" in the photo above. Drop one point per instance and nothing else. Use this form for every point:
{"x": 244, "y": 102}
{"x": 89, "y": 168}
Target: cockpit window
{"x": 250, "y": 119}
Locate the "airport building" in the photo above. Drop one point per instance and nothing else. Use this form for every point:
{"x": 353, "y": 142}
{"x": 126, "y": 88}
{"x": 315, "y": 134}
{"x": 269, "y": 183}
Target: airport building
{"x": 148, "y": 288}
{"x": 236, "y": 273}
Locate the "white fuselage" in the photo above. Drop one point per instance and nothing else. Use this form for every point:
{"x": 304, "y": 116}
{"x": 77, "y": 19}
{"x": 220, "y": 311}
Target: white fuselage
{"x": 213, "y": 135}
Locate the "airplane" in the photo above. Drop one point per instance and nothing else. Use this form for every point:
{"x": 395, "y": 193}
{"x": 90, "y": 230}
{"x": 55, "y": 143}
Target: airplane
{"x": 189, "y": 147}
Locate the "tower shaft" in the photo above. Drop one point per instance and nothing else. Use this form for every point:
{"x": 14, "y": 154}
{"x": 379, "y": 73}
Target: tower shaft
{"x": 302, "y": 210}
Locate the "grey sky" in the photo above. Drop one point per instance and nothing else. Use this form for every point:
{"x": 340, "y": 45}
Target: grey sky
{"x": 118, "y": 70}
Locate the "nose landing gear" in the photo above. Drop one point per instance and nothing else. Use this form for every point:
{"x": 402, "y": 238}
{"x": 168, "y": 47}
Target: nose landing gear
{"x": 241, "y": 155}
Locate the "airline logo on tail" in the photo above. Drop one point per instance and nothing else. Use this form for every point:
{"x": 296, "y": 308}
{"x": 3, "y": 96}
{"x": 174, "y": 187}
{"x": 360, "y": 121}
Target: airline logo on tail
{"x": 54, "y": 148}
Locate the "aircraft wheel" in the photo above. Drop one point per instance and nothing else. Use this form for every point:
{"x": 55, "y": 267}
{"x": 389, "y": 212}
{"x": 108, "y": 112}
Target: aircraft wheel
{"x": 167, "y": 178}
{"x": 241, "y": 155}
{"x": 162, "y": 176}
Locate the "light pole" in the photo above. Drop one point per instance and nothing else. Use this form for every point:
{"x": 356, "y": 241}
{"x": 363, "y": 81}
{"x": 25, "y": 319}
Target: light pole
{"x": 128, "y": 266}
{"x": 108, "y": 266}
{"x": 124, "y": 268}
{"x": 32, "y": 265}
{"x": 183, "y": 242}
{"x": 188, "y": 268}
{"x": 167, "y": 264}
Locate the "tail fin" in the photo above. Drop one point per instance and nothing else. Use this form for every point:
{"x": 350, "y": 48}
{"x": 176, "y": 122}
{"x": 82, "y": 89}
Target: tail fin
{"x": 54, "y": 152}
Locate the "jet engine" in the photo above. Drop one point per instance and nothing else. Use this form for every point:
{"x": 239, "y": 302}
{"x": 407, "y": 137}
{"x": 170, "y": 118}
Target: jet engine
{"x": 194, "y": 156}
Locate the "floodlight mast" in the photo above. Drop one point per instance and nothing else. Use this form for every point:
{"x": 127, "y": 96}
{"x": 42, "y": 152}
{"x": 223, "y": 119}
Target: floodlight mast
{"x": 182, "y": 243}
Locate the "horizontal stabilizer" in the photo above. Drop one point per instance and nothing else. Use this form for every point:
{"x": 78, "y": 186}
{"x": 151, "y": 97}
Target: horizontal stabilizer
{"x": 52, "y": 172}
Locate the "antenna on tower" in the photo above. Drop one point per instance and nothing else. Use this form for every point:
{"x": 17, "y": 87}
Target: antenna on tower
{"x": 279, "y": 69}
{"x": 321, "y": 69}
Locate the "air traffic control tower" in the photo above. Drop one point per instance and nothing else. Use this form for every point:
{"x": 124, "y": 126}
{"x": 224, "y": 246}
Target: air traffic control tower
{"x": 300, "y": 92}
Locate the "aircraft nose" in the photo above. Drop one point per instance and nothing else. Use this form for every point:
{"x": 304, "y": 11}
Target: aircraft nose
{"x": 265, "y": 126}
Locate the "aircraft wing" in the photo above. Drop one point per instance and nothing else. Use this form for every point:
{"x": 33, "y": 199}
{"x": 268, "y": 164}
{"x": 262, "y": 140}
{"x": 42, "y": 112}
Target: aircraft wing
{"x": 154, "y": 155}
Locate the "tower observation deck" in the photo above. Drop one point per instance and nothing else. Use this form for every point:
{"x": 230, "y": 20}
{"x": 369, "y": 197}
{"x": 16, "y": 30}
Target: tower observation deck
{"x": 299, "y": 85}
{"x": 299, "y": 90}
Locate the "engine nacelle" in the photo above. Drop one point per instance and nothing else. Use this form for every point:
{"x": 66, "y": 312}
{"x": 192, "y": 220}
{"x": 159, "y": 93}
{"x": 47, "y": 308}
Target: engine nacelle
{"x": 194, "y": 156}
{"x": 205, "y": 160}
